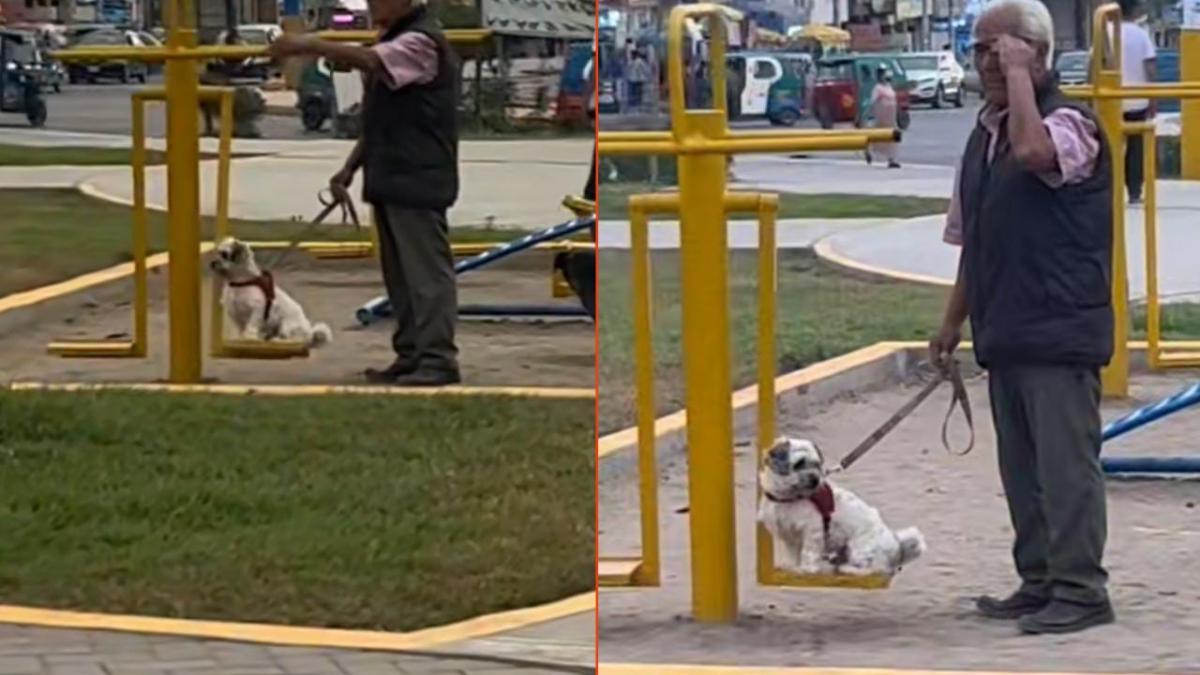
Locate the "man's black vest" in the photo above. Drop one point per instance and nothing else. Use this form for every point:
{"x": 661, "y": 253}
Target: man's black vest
{"x": 1038, "y": 260}
{"x": 411, "y": 133}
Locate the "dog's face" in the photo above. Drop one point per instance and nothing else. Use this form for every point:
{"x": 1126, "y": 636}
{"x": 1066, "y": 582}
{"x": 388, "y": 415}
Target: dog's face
{"x": 233, "y": 259}
{"x": 792, "y": 469}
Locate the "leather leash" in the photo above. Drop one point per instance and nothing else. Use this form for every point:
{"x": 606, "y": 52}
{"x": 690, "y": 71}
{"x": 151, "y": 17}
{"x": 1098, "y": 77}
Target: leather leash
{"x": 949, "y": 373}
{"x": 349, "y": 217}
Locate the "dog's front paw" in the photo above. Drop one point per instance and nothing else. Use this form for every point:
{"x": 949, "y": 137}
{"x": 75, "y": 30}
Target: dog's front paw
{"x": 817, "y": 566}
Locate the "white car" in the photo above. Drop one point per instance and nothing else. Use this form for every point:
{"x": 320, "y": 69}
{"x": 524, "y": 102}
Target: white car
{"x": 936, "y": 77}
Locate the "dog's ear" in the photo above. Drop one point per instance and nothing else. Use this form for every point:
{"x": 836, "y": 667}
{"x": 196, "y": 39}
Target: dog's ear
{"x": 241, "y": 251}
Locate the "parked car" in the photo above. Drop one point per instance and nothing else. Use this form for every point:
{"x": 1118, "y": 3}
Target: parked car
{"x": 1072, "y": 67}
{"x": 111, "y": 69}
{"x": 842, "y": 90}
{"x": 29, "y": 55}
{"x": 937, "y": 77}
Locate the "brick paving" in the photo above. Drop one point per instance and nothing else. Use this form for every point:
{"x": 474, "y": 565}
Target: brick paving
{"x": 45, "y": 651}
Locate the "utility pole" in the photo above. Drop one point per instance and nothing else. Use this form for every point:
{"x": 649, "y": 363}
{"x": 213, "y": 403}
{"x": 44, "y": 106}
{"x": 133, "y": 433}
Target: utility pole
{"x": 925, "y": 25}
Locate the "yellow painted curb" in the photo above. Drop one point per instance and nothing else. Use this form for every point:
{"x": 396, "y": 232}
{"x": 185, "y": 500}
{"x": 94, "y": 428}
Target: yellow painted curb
{"x": 573, "y": 393}
{"x": 297, "y": 635}
{"x": 671, "y": 669}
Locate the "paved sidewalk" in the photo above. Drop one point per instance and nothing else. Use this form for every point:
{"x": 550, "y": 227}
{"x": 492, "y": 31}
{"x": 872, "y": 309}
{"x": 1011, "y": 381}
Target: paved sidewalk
{"x": 46, "y": 651}
{"x": 504, "y": 183}
{"x": 914, "y": 247}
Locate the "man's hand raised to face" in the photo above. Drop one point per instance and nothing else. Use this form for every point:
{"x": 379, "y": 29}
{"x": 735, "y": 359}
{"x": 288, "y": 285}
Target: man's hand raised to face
{"x": 1015, "y": 54}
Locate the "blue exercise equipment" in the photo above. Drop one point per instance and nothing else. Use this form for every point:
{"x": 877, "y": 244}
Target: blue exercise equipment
{"x": 1184, "y": 398}
{"x": 380, "y": 307}
{"x": 533, "y": 311}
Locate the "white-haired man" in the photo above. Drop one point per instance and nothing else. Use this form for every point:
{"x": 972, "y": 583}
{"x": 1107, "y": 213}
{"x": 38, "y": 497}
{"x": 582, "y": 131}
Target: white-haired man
{"x": 408, "y": 151}
{"x": 1032, "y": 212}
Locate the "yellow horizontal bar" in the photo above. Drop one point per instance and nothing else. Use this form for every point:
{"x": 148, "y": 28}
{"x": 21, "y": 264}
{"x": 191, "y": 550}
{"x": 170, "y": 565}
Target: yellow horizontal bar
{"x": 618, "y": 572}
{"x": 250, "y": 349}
{"x": 1135, "y": 128}
{"x": 94, "y": 349}
{"x": 786, "y": 579}
{"x": 1179, "y": 359}
{"x": 207, "y": 93}
{"x": 668, "y": 202}
{"x": 733, "y": 146}
{"x": 474, "y": 248}
{"x": 1154, "y": 91}
{"x": 464, "y": 36}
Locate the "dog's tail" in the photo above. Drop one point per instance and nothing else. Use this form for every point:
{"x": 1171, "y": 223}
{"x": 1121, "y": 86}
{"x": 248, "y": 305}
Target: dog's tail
{"x": 912, "y": 544}
{"x": 321, "y": 335}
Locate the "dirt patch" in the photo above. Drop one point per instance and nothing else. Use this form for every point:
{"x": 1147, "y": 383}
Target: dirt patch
{"x": 925, "y": 620}
{"x": 557, "y": 353}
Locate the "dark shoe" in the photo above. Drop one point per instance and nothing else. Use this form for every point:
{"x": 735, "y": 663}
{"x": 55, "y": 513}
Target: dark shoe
{"x": 1135, "y": 200}
{"x": 1061, "y": 616}
{"x": 893, "y": 165}
{"x": 389, "y": 374}
{"x": 1015, "y": 606}
{"x": 428, "y": 378}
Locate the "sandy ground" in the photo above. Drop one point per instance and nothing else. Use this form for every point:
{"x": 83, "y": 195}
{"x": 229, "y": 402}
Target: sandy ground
{"x": 546, "y": 353}
{"x": 925, "y": 619}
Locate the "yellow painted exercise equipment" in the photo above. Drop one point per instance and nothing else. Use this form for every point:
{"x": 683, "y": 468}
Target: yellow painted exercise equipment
{"x": 182, "y": 94}
{"x": 1106, "y": 94}
{"x": 702, "y": 143}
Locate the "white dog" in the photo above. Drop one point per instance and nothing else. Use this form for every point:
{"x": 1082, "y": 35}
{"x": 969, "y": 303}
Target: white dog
{"x": 258, "y": 308}
{"x": 824, "y": 528}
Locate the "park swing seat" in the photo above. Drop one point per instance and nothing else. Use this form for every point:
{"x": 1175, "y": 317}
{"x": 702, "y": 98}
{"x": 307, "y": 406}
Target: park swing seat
{"x": 771, "y": 575}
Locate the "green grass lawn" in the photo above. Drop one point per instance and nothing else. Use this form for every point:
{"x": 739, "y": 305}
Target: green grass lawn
{"x": 26, "y": 155}
{"x": 614, "y": 204}
{"x": 822, "y": 312}
{"x": 360, "y": 512}
{"x": 51, "y": 235}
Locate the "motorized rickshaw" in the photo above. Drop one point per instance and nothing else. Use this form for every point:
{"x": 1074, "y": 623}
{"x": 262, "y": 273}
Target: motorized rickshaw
{"x": 842, "y": 91}
{"x": 769, "y": 85}
{"x": 20, "y": 80}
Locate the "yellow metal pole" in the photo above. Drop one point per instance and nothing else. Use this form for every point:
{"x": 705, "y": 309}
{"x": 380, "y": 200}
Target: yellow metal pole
{"x": 767, "y": 289}
{"x": 704, "y": 253}
{"x": 643, "y": 355}
{"x": 1106, "y": 74}
{"x": 183, "y": 208}
{"x": 141, "y": 302}
{"x": 216, "y": 321}
{"x": 1150, "y": 214}
{"x": 1189, "y": 135}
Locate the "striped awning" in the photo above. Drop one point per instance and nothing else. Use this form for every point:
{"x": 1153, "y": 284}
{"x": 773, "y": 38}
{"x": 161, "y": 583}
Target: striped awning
{"x": 561, "y": 19}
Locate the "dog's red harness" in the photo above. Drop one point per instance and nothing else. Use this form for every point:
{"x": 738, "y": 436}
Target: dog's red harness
{"x": 822, "y": 500}
{"x": 265, "y": 283}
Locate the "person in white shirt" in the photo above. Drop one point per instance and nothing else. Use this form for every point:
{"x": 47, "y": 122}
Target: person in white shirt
{"x": 1137, "y": 67}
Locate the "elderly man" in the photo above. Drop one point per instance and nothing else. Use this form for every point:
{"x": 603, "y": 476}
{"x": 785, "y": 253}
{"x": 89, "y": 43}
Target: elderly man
{"x": 409, "y": 155}
{"x": 1032, "y": 212}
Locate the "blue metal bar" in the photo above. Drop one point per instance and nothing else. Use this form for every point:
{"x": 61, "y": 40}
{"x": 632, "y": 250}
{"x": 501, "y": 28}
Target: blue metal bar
{"x": 1145, "y": 465}
{"x": 522, "y": 310}
{"x": 1151, "y": 413}
{"x": 1180, "y": 400}
{"x": 381, "y": 308}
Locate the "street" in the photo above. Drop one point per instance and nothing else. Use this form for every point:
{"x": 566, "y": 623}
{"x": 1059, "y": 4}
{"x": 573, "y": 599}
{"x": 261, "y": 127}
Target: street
{"x": 105, "y": 109}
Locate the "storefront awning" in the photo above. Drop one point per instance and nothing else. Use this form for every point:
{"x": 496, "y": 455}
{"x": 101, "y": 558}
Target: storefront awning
{"x": 558, "y": 19}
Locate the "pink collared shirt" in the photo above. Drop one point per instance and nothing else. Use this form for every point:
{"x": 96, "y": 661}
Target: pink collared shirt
{"x": 1076, "y": 144}
{"x": 411, "y": 58}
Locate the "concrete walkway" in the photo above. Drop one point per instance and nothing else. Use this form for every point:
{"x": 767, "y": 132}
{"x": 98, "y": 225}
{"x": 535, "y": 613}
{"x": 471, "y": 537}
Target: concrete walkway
{"x": 915, "y": 248}
{"x": 505, "y": 184}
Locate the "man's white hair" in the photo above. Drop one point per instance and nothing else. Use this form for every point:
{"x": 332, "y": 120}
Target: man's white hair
{"x": 1033, "y": 21}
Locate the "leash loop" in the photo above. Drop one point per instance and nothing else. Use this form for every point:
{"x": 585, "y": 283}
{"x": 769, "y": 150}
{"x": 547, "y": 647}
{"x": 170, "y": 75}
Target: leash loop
{"x": 948, "y": 371}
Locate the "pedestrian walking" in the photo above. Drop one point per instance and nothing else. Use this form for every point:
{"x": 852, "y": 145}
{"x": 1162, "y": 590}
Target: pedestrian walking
{"x": 1138, "y": 66}
{"x": 408, "y": 152}
{"x": 1032, "y": 211}
{"x": 884, "y": 113}
{"x": 638, "y": 74}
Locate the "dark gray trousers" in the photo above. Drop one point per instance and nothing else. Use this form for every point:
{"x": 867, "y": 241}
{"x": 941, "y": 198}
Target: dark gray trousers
{"x": 1048, "y": 441}
{"x": 418, "y": 270}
